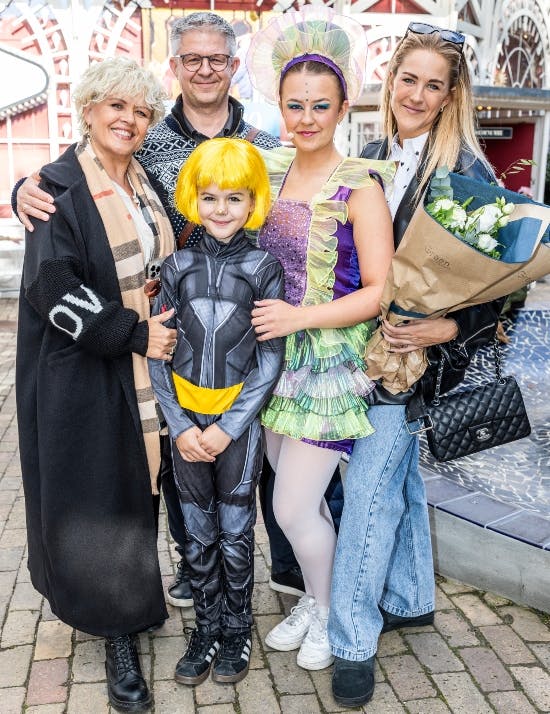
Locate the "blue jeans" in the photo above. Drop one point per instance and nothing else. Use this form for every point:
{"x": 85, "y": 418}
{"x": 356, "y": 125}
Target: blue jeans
{"x": 383, "y": 555}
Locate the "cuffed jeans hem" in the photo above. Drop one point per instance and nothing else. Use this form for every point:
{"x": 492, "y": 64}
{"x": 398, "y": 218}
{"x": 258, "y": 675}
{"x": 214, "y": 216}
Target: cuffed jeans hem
{"x": 353, "y": 656}
{"x": 407, "y": 613}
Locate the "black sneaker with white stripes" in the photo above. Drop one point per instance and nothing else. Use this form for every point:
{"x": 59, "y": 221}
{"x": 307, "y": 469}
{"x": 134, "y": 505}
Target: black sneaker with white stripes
{"x": 232, "y": 662}
{"x": 194, "y": 666}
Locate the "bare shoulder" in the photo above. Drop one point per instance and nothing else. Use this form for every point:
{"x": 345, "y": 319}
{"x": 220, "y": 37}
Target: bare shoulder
{"x": 366, "y": 199}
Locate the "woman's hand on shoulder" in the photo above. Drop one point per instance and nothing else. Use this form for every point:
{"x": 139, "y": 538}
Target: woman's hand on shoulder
{"x": 275, "y": 318}
{"x": 162, "y": 340}
{"x": 417, "y": 334}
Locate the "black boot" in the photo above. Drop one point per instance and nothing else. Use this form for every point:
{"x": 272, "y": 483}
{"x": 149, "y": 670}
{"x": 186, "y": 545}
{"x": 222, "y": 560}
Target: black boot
{"x": 179, "y": 593}
{"x": 353, "y": 682}
{"x": 125, "y": 684}
{"x": 395, "y": 622}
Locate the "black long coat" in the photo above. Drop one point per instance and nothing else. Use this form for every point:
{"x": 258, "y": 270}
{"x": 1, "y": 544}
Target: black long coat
{"x": 90, "y": 520}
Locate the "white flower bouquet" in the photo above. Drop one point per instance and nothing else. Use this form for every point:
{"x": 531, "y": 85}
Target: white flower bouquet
{"x": 478, "y": 228}
{"x": 468, "y": 243}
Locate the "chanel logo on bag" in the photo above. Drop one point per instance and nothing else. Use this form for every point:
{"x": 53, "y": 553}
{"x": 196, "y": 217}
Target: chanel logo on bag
{"x": 482, "y": 433}
{"x": 466, "y": 421}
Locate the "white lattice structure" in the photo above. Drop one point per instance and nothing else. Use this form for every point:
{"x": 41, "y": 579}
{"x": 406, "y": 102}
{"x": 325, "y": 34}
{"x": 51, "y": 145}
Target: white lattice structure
{"x": 64, "y": 38}
{"x": 508, "y": 53}
{"x": 508, "y": 50}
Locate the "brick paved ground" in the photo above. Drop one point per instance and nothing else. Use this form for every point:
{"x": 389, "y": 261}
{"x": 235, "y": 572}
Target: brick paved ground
{"x": 484, "y": 654}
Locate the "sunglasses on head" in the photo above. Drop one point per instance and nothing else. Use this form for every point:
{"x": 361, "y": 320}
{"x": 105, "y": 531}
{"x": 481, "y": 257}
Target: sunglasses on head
{"x": 422, "y": 28}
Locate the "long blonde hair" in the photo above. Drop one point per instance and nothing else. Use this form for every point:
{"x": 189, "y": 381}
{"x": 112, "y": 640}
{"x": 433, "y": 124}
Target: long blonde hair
{"x": 454, "y": 127}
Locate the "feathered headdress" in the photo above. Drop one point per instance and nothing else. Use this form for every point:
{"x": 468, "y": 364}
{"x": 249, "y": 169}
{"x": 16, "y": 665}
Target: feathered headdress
{"x": 311, "y": 33}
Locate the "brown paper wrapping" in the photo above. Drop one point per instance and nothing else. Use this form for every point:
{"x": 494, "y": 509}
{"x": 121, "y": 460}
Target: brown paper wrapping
{"x": 396, "y": 371}
{"x": 433, "y": 273}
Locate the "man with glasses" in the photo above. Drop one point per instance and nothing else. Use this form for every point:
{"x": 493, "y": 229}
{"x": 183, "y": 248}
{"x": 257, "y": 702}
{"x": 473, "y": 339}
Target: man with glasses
{"x": 203, "y": 47}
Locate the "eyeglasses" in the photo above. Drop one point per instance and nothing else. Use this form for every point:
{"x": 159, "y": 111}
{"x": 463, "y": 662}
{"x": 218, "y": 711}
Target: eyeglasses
{"x": 193, "y": 62}
{"x": 422, "y": 28}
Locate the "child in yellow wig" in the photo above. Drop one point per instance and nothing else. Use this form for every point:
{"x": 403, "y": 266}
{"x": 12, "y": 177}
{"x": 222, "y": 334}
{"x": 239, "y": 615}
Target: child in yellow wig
{"x": 211, "y": 393}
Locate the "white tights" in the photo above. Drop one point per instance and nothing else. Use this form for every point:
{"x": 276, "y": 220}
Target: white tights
{"x": 302, "y": 475}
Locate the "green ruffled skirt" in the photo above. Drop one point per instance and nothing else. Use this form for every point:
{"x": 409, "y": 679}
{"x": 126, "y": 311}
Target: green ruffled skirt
{"x": 321, "y": 394}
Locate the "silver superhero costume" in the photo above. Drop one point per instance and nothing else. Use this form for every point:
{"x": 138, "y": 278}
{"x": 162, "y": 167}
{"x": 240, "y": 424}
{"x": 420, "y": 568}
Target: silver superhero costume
{"x": 212, "y": 287}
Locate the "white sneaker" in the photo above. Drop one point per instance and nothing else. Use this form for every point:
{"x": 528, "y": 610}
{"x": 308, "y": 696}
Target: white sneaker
{"x": 315, "y": 650}
{"x": 289, "y": 634}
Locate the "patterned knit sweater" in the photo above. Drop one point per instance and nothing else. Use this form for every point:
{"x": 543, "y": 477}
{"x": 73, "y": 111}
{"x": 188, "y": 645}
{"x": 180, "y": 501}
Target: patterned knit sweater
{"x": 168, "y": 146}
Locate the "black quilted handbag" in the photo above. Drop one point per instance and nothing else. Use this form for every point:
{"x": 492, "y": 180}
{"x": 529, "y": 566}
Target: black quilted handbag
{"x": 475, "y": 418}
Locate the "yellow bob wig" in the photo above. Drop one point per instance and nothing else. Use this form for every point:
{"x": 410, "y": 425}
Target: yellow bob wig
{"x": 229, "y": 164}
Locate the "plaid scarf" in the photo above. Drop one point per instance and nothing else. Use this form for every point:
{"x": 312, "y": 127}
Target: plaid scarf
{"x": 128, "y": 257}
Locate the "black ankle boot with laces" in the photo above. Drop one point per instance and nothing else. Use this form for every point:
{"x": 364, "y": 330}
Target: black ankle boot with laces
{"x": 127, "y": 689}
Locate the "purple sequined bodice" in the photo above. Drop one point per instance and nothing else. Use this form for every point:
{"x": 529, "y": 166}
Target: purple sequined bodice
{"x": 285, "y": 236}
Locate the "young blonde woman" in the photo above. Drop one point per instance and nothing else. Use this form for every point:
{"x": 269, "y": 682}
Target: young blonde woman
{"x": 331, "y": 230}
{"x": 383, "y": 571}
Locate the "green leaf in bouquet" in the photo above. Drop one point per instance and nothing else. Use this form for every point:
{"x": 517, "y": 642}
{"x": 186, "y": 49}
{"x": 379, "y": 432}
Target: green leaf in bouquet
{"x": 442, "y": 172}
{"x": 440, "y": 185}
{"x": 516, "y": 167}
{"x": 469, "y": 236}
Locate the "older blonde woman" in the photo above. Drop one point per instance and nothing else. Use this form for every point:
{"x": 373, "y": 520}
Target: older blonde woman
{"x": 87, "y": 421}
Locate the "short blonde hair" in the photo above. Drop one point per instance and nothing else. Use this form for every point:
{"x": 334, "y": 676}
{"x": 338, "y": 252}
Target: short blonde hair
{"x": 229, "y": 164}
{"x": 118, "y": 75}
